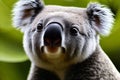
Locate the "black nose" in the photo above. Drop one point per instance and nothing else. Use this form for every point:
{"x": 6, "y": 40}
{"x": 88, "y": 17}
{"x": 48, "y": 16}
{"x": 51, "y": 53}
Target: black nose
{"x": 52, "y": 35}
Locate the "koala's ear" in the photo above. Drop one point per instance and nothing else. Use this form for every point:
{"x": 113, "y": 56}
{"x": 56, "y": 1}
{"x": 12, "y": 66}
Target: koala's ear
{"x": 100, "y": 18}
{"x": 25, "y": 11}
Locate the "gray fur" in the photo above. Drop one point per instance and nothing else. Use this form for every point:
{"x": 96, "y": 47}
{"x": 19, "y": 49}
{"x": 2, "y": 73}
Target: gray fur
{"x": 24, "y": 11}
{"x": 82, "y": 57}
{"x": 96, "y": 67}
{"x": 101, "y": 18}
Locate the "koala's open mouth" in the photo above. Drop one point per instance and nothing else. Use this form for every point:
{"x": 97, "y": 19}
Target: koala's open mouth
{"x": 53, "y": 52}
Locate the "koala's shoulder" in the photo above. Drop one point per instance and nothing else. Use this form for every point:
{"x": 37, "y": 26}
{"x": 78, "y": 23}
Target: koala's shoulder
{"x": 96, "y": 67}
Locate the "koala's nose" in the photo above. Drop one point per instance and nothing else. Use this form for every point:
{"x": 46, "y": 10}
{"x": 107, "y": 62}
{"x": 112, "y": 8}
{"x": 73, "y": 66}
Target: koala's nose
{"x": 52, "y": 36}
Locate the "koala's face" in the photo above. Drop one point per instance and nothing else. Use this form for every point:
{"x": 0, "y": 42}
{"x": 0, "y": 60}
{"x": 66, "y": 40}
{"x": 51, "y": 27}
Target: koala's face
{"x": 62, "y": 35}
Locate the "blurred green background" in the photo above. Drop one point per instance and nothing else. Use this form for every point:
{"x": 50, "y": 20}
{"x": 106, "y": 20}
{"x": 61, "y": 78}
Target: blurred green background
{"x": 14, "y": 64}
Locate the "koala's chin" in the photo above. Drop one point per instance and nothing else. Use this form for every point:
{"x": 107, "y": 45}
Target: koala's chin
{"x": 62, "y": 43}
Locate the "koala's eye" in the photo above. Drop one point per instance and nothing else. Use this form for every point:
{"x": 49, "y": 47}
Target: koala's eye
{"x": 74, "y": 31}
{"x": 39, "y": 27}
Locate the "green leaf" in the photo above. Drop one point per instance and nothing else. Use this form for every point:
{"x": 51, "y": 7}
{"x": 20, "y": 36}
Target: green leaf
{"x": 10, "y": 39}
{"x": 11, "y": 46}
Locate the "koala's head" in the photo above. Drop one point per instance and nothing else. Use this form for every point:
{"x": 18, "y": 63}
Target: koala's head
{"x": 56, "y": 34}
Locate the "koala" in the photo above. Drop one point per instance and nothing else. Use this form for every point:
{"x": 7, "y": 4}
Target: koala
{"x": 62, "y": 43}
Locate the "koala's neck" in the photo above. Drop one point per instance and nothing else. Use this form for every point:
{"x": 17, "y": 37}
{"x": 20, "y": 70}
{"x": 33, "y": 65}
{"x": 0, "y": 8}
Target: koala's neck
{"x": 37, "y": 73}
{"x": 97, "y": 66}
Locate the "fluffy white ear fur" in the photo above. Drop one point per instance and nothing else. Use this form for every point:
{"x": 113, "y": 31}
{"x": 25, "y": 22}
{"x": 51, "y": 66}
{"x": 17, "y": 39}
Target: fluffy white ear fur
{"x": 24, "y": 12}
{"x": 100, "y": 17}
